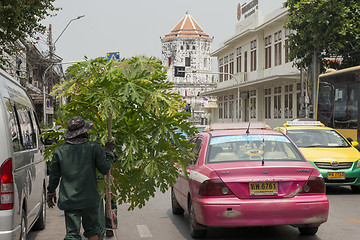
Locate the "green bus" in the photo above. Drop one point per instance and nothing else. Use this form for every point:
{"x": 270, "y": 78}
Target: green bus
{"x": 338, "y": 101}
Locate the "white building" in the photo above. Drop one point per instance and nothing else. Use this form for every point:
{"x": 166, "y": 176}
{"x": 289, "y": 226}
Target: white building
{"x": 186, "y": 53}
{"x": 254, "y": 63}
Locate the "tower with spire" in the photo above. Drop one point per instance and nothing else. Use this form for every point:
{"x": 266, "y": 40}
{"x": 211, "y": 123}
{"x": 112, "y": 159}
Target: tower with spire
{"x": 186, "y": 53}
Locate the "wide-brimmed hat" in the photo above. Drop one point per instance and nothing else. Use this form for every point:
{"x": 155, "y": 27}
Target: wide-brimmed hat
{"x": 77, "y": 126}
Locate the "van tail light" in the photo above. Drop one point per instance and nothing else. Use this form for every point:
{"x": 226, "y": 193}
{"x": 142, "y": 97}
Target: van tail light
{"x": 314, "y": 185}
{"x": 6, "y": 186}
{"x": 214, "y": 187}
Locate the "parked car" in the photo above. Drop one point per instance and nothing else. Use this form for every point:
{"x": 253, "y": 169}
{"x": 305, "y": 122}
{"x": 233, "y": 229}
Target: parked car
{"x": 336, "y": 158}
{"x": 22, "y": 168}
{"x": 249, "y": 176}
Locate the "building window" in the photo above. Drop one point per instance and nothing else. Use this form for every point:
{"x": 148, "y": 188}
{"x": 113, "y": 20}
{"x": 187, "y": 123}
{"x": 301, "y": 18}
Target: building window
{"x": 221, "y": 107}
{"x": 245, "y": 61}
{"x": 187, "y": 47}
{"x": 205, "y": 62}
{"x": 268, "y": 52}
{"x": 253, "y": 55}
{"x": 231, "y": 106}
{"x": 238, "y": 59}
{"x": 288, "y": 32}
{"x": 277, "y": 41}
{"x": 288, "y": 101}
{"x": 287, "y": 50}
{"x": 253, "y": 104}
{"x": 226, "y": 68}
{"x": 169, "y": 61}
{"x": 231, "y": 64}
{"x": 187, "y": 61}
{"x": 221, "y": 69}
{"x": 193, "y": 48}
{"x": 277, "y": 102}
{"x": 226, "y": 107}
{"x": 268, "y": 103}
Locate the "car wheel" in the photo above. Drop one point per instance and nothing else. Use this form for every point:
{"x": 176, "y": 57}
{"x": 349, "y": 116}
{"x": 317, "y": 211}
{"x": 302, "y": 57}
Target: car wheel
{"x": 176, "y": 208}
{"x": 308, "y": 230}
{"x": 196, "y": 231}
{"x": 41, "y": 221}
{"x": 23, "y": 226}
{"x": 355, "y": 188}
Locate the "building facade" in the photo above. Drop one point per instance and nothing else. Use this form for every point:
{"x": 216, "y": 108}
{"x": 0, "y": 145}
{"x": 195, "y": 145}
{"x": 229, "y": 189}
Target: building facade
{"x": 186, "y": 53}
{"x": 258, "y": 82}
{"x": 37, "y": 74}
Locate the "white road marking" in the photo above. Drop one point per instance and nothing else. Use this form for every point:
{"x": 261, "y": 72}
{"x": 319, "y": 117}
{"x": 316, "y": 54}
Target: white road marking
{"x": 143, "y": 231}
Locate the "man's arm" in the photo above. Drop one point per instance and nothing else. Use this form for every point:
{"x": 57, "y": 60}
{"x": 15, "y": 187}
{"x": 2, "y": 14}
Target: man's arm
{"x": 103, "y": 160}
{"x": 54, "y": 173}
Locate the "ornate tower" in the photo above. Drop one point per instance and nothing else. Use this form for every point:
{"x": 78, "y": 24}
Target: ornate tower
{"x": 186, "y": 53}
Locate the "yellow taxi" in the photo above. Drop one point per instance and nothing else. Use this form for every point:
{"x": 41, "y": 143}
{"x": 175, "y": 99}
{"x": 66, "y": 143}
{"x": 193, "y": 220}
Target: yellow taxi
{"x": 336, "y": 158}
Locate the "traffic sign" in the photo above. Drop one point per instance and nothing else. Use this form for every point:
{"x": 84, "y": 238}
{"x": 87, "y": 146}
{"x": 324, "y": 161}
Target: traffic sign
{"x": 113, "y": 56}
{"x": 47, "y": 102}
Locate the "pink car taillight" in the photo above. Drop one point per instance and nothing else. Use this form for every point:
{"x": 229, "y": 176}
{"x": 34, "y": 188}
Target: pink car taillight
{"x": 214, "y": 187}
{"x": 314, "y": 185}
{"x": 6, "y": 186}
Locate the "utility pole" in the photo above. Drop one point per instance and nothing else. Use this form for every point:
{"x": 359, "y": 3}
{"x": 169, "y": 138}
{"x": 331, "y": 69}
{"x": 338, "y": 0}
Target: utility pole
{"x": 315, "y": 75}
{"x": 51, "y": 46}
{"x": 51, "y": 55}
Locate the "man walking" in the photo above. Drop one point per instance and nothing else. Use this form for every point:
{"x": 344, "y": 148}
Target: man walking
{"x": 74, "y": 165}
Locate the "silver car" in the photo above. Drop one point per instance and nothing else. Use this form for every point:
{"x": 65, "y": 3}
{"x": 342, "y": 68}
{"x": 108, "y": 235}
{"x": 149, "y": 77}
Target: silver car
{"x": 22, "y": 168}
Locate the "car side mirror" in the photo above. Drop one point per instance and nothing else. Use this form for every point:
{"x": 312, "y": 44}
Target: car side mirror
{"x": 354, "y": 144}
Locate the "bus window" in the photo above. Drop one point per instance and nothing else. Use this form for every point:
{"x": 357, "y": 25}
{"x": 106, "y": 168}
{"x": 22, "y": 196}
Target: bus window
{"x": 338, "y": 99}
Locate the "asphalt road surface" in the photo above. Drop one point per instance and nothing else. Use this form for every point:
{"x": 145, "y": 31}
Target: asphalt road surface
{"x": 156, "y": 222}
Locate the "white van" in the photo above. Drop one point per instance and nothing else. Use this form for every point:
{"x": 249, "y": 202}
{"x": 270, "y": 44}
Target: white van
{"x": 22, "y": 168}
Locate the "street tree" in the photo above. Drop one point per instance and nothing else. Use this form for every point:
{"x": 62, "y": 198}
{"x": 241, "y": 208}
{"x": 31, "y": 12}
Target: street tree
{"x": 21, "y": 19}
{"x": 331, "y": 27}
{"x": 130, "y": 100}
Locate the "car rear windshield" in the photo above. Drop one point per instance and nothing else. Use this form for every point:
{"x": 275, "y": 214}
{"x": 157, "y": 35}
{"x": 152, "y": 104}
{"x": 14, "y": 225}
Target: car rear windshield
{"x": 326, "y": 138}
{"x": 242, "y": 148}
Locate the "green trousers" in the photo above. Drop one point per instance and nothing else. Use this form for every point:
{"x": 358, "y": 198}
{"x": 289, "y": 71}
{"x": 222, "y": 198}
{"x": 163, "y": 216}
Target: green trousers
{"x": 90, "y": 221}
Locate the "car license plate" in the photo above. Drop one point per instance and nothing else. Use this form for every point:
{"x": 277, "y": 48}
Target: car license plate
{"x": 336, "y": 175}
{"x": 263, "y": 188}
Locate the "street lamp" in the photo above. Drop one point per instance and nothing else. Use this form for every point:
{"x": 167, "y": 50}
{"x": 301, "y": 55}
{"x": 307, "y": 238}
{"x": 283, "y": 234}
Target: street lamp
{"x": 238, "y": 87}
{"x": 52, "y": 48}
{"x": 67, "y": 26}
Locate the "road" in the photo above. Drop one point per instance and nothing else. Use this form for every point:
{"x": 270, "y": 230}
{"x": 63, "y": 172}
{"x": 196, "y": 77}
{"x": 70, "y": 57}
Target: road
{"x": 156, "y": 221}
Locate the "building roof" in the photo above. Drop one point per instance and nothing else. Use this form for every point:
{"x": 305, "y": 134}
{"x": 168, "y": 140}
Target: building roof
{"x": 187, "y": 28}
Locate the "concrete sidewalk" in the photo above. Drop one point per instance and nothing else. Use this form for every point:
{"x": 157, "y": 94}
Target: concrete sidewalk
{"x": 55, "y": 227}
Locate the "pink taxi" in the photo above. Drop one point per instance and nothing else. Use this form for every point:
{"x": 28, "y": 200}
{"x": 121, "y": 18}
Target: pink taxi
{"x": 248, "y": 175}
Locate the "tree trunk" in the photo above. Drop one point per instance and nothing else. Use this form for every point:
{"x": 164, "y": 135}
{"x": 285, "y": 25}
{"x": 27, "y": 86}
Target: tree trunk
{"x": 107, "y": 177}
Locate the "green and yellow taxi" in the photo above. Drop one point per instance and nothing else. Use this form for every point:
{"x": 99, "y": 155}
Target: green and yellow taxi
{"x": 335, "y": 157}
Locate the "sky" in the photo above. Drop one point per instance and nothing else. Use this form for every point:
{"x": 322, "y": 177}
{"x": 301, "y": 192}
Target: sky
{"x": 134, "y": 28}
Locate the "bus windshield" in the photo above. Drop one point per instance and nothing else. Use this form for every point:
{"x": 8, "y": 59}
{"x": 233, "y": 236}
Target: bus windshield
{"x": 338, "y": 99}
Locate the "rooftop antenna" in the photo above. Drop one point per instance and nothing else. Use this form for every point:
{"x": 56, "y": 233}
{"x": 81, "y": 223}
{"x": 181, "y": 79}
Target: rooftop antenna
{"x": 247, "y": 131}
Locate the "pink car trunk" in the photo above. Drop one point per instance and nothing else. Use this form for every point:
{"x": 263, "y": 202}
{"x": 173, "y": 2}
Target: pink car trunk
{"x": 249, "y": 180}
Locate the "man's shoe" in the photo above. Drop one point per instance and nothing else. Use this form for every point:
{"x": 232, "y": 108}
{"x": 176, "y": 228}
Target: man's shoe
{"x": 109, "y": 233}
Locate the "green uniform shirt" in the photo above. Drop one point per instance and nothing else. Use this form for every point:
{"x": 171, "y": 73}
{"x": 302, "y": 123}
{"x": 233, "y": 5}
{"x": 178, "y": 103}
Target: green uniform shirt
{"x": 74, "y": 165}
